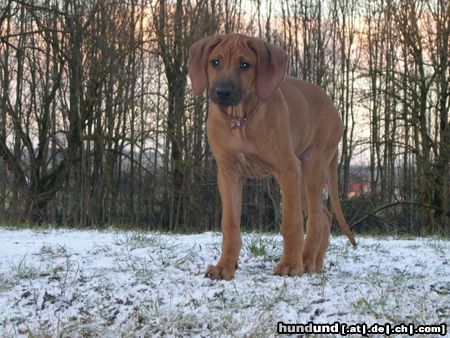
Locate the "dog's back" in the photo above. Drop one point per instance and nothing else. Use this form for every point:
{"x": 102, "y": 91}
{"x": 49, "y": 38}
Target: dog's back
{"x": 311, "y": 112}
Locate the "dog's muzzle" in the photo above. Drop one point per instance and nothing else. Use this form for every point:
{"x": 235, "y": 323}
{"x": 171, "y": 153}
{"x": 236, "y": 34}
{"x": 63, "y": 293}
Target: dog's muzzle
{"x": 225, "y": 94}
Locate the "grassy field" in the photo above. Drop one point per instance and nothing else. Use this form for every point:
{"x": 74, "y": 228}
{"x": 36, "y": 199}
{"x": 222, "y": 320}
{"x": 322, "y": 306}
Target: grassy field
{"x": 86, "y": 283}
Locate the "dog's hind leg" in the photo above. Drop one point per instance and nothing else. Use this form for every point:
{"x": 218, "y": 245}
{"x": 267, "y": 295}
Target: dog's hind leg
{"x": 325, "y": 233}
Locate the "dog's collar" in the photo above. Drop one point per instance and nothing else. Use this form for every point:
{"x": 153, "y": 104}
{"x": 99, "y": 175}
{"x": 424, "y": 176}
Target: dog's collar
{"x": 238, "y": 122}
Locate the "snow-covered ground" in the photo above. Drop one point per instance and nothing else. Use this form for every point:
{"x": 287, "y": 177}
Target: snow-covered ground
{"x": 89, "y": 283}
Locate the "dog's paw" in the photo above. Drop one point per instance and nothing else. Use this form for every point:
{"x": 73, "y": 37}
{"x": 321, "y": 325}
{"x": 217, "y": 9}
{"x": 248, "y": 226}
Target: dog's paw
{"x": 312, "y": 268}
{"x": 310, "y": 264}
{"x": 282, "y": 269}
{"x": 220, "y": 272}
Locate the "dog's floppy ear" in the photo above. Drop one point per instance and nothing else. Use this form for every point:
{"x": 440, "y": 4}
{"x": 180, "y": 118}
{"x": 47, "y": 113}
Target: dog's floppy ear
{"x": 198, "y": 57}
{"x": 271, "y": 68}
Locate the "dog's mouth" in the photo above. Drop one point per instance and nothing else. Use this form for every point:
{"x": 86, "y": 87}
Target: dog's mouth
{"x": 225, "y": 102}
{"x": 225, "y": 94}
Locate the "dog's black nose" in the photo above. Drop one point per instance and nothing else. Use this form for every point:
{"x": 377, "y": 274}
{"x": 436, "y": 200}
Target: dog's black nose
{"x": 224, "y": 90}
{"x": 225, "y": 93}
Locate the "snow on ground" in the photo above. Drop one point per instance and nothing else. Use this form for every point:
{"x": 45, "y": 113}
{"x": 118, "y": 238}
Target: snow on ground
{"x": 89, "y": 283}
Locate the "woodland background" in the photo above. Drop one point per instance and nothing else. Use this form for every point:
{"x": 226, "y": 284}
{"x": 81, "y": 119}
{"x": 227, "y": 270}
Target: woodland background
{"x": 98, "y": 125}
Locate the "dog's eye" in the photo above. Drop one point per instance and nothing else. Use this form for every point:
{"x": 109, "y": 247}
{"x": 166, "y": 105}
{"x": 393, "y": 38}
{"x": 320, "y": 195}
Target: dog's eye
{"x": 215, "y": 62}
{"x": 245, "y": 65}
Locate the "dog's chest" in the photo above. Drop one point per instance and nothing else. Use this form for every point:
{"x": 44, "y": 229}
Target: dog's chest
{"x": 250, "y": 166}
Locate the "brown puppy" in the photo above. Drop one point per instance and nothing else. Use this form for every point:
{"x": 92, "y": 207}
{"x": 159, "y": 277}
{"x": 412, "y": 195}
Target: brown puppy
{"x": 263, "y": 123}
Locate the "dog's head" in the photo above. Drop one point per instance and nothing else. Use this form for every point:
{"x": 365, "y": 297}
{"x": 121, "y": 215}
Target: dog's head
{"x": 234, "y": 66}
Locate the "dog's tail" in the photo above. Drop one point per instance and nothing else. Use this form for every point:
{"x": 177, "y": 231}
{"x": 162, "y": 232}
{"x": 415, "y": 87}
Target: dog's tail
{"x": 334, "y": 198}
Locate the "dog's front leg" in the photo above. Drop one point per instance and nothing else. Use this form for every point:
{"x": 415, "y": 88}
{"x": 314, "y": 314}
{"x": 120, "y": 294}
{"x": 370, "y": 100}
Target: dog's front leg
{"x": 292, "y": 225}
{"x": 230, "y": 188}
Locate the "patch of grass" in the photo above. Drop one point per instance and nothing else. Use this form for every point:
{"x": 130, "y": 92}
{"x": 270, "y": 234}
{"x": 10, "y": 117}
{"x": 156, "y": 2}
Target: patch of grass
{"x": 343, "y": 249}
{"x": 261, "y": 246}
{"x": 5, "y": 284}
{"x": 66, "y": 274}
{"x": 143, "y": 270}
{"x": 84, "y": 330}
{"x": 190, "y": 256}
{"x": 367, "y": 306}
{"x": 438, "y": 246}
{"x": 22, "y": 270}
{"x": 19, "y": 327}
{"x": 54, "y": 251}
{"x": 160, "y": 252}
{"x": 257, "y": 247}
{"x": 137, "y": 240}
{"x": 387, "y": 294}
